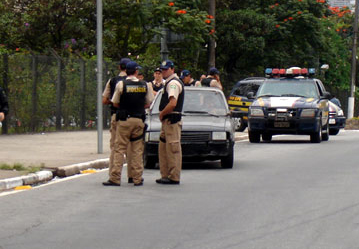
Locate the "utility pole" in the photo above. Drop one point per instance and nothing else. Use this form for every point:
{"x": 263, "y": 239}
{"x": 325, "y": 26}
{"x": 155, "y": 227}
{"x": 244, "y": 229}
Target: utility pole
{"x": 353, "y": 71}
{"x": 164, "y": 48}
{"x": 212, "y": 41}
{"x": 99, "y": 122}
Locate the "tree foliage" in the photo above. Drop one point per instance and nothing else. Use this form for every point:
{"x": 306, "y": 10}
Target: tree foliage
{"x": 250, "y": 35}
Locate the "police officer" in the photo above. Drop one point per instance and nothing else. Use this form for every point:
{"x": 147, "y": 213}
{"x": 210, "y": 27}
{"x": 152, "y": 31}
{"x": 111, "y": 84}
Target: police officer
{"x": 212, "y": 80}
{"x": 4, "y": 106}
{"x": 187, "y": 79}
{"x": 158, "y": 82}
{"x": 170, "y": 151}
{"x": 106, "y": 100}
{"x": 131, "y": 97}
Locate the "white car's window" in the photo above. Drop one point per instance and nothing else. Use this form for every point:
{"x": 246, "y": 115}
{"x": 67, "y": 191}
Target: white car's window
{"x": 199, "y": 101}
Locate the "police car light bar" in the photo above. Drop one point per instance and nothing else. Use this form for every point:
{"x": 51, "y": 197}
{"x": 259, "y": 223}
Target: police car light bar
{"x": 290, "y": 72}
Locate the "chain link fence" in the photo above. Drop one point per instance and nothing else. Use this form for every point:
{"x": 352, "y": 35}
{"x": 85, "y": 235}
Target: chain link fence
{"x": 48, "y": 93}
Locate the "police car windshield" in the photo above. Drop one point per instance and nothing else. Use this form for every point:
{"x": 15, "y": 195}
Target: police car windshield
{"x": 290, "y": 88}
{"x": 199, "y": 102}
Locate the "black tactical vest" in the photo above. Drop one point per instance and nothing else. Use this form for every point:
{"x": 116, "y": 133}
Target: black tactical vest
{"x": 165, "y": 100}
{"x": 156, "y": 88}
{"x": 206, "y": 81}
{"x": 113, "y": 84}
{"x": 133, "y": 98}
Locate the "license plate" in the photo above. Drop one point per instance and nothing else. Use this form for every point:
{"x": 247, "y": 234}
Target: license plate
{"x": 332, "y": 121}
{"x": 281, "y": 124}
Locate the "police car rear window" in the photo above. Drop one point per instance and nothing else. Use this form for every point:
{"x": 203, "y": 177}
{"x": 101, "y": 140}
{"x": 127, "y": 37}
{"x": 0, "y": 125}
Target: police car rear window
{"x": 244, "y": 88}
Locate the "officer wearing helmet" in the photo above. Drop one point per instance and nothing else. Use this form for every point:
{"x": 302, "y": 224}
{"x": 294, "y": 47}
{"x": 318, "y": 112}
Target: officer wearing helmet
{"x": 171, "y": 104}
{"x": 131, "y": 97}
{"x": 212, "y": 80}
{"x": 106, "y": 100}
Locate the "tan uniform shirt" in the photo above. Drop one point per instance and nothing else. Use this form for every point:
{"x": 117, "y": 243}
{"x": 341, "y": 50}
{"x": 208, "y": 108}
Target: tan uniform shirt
{"x": 107, "y": 92}
{"x": 119, "y": 89}
{"x": 174, "y": 88}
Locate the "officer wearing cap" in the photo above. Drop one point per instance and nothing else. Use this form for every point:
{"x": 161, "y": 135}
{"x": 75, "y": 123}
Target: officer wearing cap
{"x": 4, "y": 106}
{"x": 131, "y": 97}
{"x": 106, "y": 100}
{"x": 171, "y": 104}
{"x": 187, "y": 79}
{"x": 158, "y": 82}
{"x": 212, "y": 80}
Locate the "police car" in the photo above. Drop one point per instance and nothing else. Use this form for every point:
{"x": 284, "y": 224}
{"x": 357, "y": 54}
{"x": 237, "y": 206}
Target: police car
{"x": 238, "y": 101}
{"x": 289, "y": 101}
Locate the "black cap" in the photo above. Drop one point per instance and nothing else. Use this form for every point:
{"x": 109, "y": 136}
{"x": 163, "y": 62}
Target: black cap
{"x": 185, "y": 73}
{"x": 167, "y": 64}
{"x": 213, "y": 71}
{"x": 132, "y": 65}
{"x": 124, "y": 61}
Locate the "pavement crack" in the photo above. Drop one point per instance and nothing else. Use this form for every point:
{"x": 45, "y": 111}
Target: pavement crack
{"x": 26, "y": 230}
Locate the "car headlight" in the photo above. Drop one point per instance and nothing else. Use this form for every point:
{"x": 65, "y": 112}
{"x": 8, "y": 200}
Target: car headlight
{"x": 153, "y": 136}
{"x": 340, "y": 113}
{"x": 308, "y": 113}
{"x": 219, "y": 135}
{"x": 256, "y": 112}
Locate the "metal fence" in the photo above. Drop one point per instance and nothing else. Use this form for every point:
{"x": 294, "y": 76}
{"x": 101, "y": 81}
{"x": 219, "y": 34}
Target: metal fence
{"x": 51, "y": 93}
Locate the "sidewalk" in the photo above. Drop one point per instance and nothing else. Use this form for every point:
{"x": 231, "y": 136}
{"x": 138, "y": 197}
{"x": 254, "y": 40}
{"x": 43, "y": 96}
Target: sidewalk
{"x": 53, "y": 149}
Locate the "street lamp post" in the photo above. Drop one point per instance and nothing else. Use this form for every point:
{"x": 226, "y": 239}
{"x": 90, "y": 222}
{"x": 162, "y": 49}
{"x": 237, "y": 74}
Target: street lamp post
{"x": 164, "y": 48}
{"x": 353, "y": 70}
{"x": 99, "y": 78}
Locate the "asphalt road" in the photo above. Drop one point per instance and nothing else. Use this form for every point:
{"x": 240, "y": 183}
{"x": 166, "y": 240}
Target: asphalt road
{"x": 285, "y": 194}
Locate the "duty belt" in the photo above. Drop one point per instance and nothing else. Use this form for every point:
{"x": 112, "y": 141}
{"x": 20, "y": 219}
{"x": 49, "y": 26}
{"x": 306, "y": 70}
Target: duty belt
{"x": 173, "y": 117}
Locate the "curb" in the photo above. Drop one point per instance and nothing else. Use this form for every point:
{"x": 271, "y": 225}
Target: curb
{"x": 48, "y": 175}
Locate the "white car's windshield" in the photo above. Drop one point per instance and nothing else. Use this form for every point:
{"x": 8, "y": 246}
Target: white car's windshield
{"x": 289, "y": 89}
{"x": 199, "y": 102}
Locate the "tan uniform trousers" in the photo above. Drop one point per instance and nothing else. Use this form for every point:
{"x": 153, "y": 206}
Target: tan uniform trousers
{"x": 131, "y": 128}
{"x": 113, "y": 128}
{"x": 170, "y": 151}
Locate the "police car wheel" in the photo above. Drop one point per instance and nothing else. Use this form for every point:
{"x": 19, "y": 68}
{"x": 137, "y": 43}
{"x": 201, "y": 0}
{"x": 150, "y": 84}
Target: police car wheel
{"x": 325, "y": 135}
{"x": 254, "y": 137}
{"x": 240, "y": 125}
{"x": 267, "y": 137}
{"x": 227, "y": 162}
{"x": 316, "y": 137}
{"x": 333, "y": 132}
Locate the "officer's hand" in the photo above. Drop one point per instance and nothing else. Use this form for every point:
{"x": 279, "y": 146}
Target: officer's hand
{"x": 161, "y": 116}
{"x": 2, "y": 116}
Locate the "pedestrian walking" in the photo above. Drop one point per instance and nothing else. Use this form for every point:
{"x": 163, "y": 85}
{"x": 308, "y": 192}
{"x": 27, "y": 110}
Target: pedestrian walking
{"x": 171, "y": 104}
{"x": 106, "y": 100}
{"x": 131, "y": 97}
{"x": 4, "y": 105}
{"x": 212, "y": 80}
{"x": 158, "y": 82}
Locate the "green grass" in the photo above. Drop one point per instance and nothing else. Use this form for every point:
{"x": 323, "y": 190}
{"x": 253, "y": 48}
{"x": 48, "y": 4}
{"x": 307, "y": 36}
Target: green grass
{"x": 20, "y": 167}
